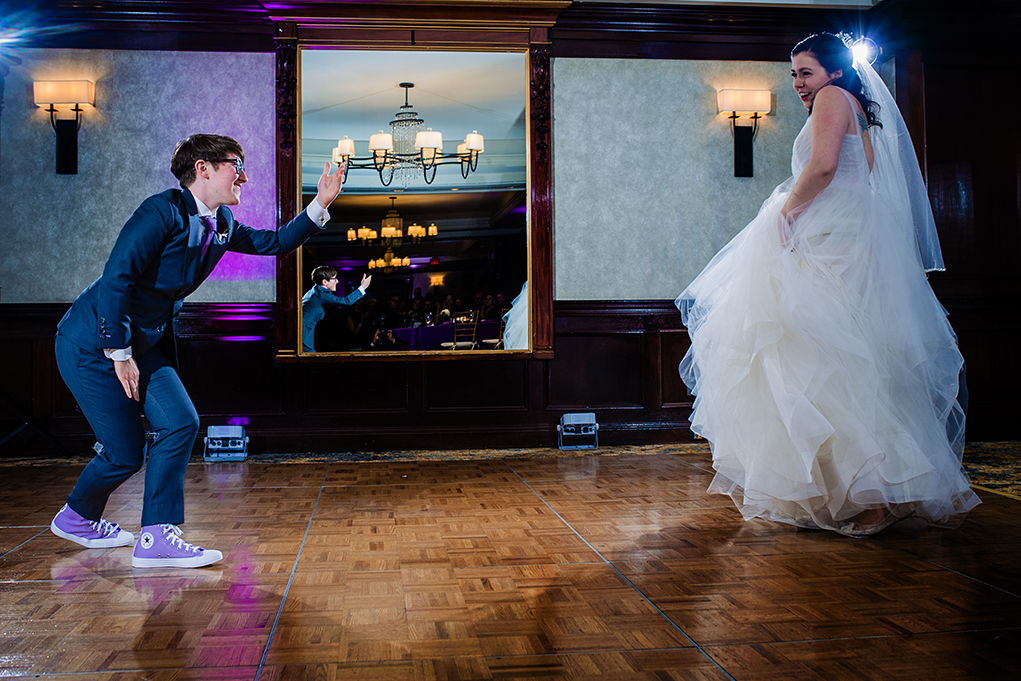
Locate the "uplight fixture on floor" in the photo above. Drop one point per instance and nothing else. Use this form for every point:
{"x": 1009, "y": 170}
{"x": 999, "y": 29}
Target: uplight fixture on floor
{"x": 578, "y": 431}
{"x": 226, "y": 443}
{"x": 752, "y": 103}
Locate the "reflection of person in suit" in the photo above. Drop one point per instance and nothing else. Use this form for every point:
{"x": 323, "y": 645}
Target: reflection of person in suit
{"x": 324, "y": 293}
{"x": 115, "y": 346}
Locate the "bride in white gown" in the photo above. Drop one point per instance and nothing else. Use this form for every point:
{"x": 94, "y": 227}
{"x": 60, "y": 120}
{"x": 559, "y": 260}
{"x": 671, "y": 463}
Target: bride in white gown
{"x": 824, "y": 369}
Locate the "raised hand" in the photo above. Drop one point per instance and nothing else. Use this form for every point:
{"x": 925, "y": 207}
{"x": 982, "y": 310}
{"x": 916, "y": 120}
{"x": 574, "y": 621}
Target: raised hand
{"x": 366, "y": 280}
{"x": 329, "y": 186}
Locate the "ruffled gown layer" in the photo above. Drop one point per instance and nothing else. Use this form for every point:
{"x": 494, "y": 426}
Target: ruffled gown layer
{"x": 824, "y": 368}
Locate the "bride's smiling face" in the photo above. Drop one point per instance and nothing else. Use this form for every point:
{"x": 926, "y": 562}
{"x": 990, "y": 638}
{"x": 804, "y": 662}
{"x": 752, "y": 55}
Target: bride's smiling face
{"x": 810, "y": 77}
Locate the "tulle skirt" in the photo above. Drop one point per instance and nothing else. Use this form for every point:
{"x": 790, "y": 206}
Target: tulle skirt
{"x": 825, "y": 372}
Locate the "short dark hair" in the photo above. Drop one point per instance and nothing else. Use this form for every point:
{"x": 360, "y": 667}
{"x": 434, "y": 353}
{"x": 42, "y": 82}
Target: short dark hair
{"x": 322, "y": 273}
{"x": 201, "y": 148}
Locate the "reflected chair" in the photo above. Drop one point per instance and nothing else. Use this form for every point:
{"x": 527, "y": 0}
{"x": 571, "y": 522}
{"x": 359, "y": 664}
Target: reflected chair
{"x": 497, "y": 343}
{"x": 465, "y": 326}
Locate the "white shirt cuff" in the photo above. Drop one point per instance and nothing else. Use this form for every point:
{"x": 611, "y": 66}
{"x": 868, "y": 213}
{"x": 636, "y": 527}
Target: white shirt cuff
{"x": 118, "y": 355}
{"x": 362, "y": 289}
{"x": 317, "y": 213}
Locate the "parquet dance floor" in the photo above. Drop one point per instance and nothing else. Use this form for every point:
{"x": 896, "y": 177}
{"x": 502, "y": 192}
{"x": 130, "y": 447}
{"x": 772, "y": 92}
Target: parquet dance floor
{"x": 588, "y": 567}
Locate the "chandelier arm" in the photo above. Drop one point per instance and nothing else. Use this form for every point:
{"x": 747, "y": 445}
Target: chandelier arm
{"x": 426, "y": 174}
{"x": 390, "y": 177}
{"x": 426, "y": 164}
{"x": 465, "y": 168}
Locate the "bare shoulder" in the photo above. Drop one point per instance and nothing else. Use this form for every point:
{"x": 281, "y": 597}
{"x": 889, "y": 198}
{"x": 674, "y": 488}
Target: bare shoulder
{"x": 831, "y": 97}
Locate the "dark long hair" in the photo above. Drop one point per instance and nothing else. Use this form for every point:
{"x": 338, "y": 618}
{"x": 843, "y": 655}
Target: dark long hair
{"x": 833, "y": 55}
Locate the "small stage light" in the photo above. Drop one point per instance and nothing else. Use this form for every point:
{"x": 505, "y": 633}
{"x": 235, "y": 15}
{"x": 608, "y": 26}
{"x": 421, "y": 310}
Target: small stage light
{"x": 578, "y": 431}
{"x": 226, "y": 443}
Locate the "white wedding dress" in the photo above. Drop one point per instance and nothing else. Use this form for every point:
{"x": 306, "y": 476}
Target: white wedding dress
{"x": 825, "y": 370}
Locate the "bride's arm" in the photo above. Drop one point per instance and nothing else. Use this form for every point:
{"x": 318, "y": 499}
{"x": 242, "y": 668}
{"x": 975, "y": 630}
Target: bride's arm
{"x": 830, "y": 119}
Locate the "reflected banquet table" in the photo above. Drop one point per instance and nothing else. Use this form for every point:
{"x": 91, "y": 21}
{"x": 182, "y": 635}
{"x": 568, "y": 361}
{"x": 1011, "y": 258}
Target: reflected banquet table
{"x": 431, "y": 337}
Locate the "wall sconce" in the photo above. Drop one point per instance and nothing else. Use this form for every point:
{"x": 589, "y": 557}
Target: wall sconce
{"x": 76, "y": 92}
{"x": 752, "y": 103}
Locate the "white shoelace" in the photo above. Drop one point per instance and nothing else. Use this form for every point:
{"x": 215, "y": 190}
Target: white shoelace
{"x": 173, "y": 533}
{"x": 104, "y": 527}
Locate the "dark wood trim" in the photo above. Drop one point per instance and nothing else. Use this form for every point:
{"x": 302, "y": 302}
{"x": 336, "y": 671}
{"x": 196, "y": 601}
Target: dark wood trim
{"x": 719, "y": 32}
{"x": 457, "y": 15}
{"x": 288, "y": 198}
{"x": 458, "y": 24}
{"x": 541, "y": 160}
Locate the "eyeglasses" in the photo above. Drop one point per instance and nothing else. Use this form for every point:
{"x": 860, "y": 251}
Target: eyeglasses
{"x": 239, "y": 165}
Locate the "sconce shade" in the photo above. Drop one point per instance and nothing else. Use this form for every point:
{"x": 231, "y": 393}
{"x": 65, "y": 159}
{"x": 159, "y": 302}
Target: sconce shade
{"x": 344, "y": 148}
{"x": 473, "y": 141}
{"x": 744, "y": 101}
{"x": 429, "y": 140}
{"x": 46, "y": 92}
{"x": 381, "y": 141}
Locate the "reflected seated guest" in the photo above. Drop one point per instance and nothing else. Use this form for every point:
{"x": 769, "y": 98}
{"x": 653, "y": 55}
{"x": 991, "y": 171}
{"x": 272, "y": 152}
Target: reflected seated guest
{"x": 384, "y": 340}
{"x": 392, "y": 317}
{"x": 417, "y": 315}
{"x": 324, "y": 293}
{"x": 356, "y": 327}
{"x": 489, "y": 312}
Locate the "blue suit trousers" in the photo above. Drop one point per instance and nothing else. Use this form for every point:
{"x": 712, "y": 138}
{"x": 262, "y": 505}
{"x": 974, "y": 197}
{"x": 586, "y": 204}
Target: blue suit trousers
{"x": 117, "y": 422}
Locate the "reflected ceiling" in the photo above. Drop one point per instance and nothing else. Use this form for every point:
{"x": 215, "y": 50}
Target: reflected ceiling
{"x": 356, "y": 93}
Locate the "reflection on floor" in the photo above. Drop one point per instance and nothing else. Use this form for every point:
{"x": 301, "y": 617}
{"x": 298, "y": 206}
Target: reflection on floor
{"x": 612, "y": 567}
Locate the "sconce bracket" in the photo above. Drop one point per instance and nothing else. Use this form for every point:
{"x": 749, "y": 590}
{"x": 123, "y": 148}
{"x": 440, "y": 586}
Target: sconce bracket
{"x": 67, "y": 146}
{"x": 743, "y": 136}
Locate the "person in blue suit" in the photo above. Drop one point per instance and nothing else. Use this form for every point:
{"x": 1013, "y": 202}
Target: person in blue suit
{"x": 324, "y": 293}
{"x": 115, "y": 347}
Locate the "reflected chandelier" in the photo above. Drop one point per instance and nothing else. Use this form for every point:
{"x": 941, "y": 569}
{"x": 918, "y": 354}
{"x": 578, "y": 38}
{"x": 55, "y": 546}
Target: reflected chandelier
{"x": 407, "y": 150}
{"x": 391, "y": 236}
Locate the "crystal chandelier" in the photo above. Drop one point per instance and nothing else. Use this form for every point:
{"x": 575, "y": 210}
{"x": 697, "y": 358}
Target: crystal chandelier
{"x": 407, "y": 150}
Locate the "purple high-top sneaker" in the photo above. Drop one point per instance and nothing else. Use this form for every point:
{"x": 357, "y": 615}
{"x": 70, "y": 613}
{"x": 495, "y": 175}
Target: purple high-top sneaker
{"x": 162, "y": 546}
{"x": 92, "y": 534}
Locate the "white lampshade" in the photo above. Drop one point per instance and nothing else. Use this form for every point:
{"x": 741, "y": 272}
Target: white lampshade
{"x": 345, "y": 147}
{"x": 744, "y": 101}
{"x": 432, "y": 229}
{"x": 381, "y": 141}
{"x": 406, "y": 261}
{"x": 363, "y": 232}
{"x": 352, "y": 234}
{"x": 46, "y": 92}
{"x": 387, "y": 232}
{"x": 373, "y": 234}
{"x": 429, "y": 140}
{"x": 473, "y": 142}
{"x": 372, "y": 264}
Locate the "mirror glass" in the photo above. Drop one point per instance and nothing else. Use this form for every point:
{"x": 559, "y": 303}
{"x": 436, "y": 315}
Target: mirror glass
{"x": 452, "y": 287}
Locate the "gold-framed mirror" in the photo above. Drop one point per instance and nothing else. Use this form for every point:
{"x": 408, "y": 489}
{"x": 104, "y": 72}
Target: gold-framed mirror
{"x": 460, "y": 285}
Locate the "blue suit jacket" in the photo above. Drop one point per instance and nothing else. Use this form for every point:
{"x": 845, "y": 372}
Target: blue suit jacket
{"x": 312, "y": 311}
{"x": 155, "y": 263}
